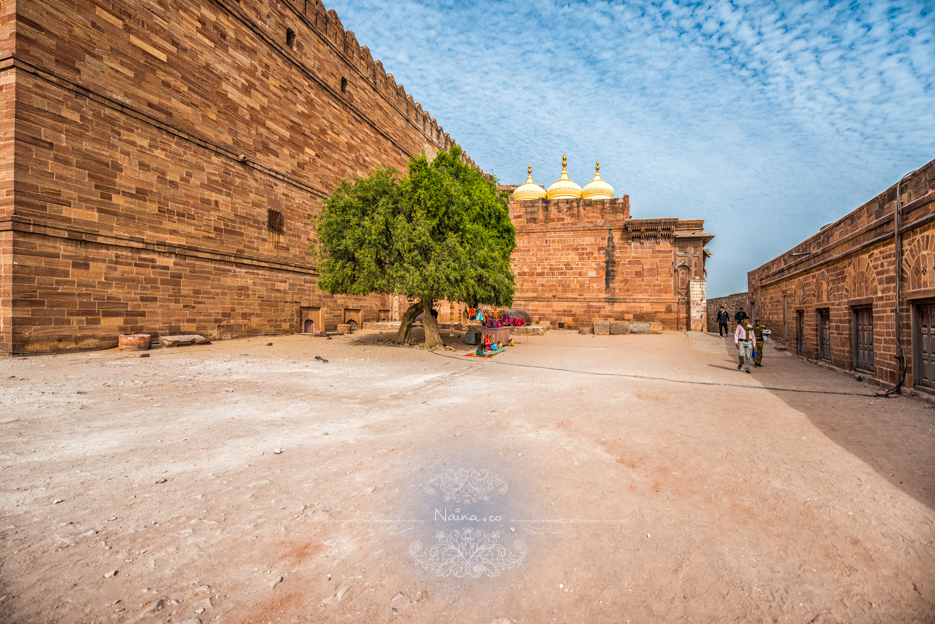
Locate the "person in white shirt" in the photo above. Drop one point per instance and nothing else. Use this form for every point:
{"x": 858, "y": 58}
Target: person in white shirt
{"x": 745, "y": 339}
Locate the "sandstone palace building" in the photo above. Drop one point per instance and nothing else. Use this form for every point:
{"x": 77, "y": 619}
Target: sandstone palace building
{"x": 161, "y": 161}
{"x": 581, "y": 257}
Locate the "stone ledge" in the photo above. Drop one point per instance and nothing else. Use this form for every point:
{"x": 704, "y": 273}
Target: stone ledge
{"x": 381, "y": 325}
{"x": 910, "y": 392}
{"x": 605, "y": 327}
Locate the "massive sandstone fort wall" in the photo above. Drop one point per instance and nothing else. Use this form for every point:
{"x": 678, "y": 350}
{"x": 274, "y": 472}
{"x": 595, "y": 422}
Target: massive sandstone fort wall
{"x": 579, "y": 260}
{"x": 160, "y": 162}
{"x": 850, "y": 266}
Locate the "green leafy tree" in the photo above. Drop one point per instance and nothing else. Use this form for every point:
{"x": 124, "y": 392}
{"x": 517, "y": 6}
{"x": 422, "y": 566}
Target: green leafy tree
{"x": 441, "y": 232}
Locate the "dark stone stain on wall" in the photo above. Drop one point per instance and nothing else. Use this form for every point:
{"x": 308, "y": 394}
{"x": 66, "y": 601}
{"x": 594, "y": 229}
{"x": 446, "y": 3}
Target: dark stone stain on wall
{"x": 610, "y": 264}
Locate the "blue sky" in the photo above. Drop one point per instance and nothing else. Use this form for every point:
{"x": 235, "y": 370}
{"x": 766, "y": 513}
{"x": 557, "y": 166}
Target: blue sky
{"x": 766, "y": 119}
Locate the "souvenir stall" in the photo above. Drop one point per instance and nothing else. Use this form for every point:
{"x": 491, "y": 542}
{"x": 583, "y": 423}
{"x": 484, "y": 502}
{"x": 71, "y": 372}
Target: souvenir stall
{"x": 488, "y": 327}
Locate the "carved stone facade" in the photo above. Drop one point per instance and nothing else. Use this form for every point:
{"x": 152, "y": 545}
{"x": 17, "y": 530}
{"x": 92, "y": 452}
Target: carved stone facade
{"x": 160, "y": 163}
{"x": 833, "y": 297}
{"x": 579, "y": 260}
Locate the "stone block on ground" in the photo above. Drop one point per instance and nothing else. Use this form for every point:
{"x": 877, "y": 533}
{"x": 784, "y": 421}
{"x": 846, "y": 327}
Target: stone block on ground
{"x": 601, "y": 328}
{"x": 619, "y": 328}
{"x": 586, "y": 330}
{"x": 640, "y": 328}
{"x": 134, "y": 342}
{"x": 656, "y": 328}
{"x": 183, "y": 340}
{"x": 344, "y": 328}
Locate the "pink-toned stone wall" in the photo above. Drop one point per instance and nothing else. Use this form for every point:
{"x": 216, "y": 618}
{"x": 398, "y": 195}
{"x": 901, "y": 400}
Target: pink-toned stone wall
{"x": 151, "y": 145}
{"x": 581, "y": 260}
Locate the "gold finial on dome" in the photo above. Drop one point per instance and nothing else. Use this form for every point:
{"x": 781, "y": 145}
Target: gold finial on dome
{"x": 597, "y": 188}
{"x": 530, "y": 190}
{"x": 564, "y": 187}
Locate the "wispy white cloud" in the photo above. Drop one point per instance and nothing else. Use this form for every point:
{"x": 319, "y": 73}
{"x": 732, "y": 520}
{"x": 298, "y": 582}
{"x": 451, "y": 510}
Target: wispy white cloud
{"x": 767, "y": 119}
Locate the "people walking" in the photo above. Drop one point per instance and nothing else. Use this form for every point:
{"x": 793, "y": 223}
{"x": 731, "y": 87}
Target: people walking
{"x": 739, "y": 316}
{"x": 744, "y": 338}
{"x": 760, "y": 332}
{"x": 722, "y": 320}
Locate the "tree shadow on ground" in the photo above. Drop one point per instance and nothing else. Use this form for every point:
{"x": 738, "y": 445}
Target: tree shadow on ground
{"x": 453, "y": 339}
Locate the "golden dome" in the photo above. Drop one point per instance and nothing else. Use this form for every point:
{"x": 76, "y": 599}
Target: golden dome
{"x": 564, "y": 187}
{"x": 597, "y": 188}
{"x": 529, "y": 191}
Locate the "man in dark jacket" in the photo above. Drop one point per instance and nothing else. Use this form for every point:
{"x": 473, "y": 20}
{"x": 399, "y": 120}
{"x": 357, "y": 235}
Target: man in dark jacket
{"x": 722, "y": 320}
{"x": 740, "y": 316}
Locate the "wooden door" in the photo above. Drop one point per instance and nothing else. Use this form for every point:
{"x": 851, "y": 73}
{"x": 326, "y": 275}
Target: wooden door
{"x": 863, "y": 339}
{"x": 824, "y": 335}
{"x": 924, "y": 364}
{"x": 800, "y": 332}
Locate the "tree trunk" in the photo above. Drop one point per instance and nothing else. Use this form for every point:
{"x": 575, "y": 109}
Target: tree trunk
{"x": 433, "y": 340}
{"x": 405, "y": 325}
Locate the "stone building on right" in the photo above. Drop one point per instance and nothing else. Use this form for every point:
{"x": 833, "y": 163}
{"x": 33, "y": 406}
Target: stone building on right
{"x": 835, "y": 298}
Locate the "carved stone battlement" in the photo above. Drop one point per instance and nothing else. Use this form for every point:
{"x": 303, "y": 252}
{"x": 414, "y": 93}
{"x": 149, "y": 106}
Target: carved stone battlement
{"x": 570, "y": 211}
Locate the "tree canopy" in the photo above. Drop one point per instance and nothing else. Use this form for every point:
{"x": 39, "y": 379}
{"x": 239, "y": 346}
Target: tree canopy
{"x": 441, "y": 232}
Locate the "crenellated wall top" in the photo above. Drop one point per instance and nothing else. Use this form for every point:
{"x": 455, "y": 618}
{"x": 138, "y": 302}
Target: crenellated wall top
{"x": 592, "y": 211}
{"x": 544, "y": 214}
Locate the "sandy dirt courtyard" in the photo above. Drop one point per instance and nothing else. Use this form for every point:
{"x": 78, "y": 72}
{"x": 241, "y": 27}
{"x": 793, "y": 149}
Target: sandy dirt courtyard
{"x": 573, "y": 478}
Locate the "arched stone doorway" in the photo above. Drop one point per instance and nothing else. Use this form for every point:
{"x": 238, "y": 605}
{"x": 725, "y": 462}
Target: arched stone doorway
{"x": 310, "y": 320}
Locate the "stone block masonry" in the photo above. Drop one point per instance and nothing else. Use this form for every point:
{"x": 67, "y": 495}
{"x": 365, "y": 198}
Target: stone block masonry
{"x": 580, "y": 262}
{"x": 160, "y": 164}
{"x": 731, "y": 303}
